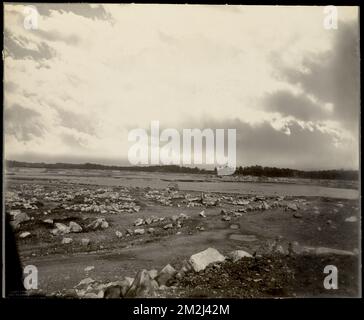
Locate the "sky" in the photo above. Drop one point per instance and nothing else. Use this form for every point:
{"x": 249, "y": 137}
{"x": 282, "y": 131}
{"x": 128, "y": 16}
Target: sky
{"x": 88, "y": 74}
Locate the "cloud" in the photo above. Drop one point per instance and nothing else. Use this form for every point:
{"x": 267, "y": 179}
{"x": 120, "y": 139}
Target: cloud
{"x": 331, "y": 77}
{"x": 89, "y": 81}
{"x": 54, "y": 35}
{"x": 298, "y": 105}
{"x": 18, "y": 48}
{"x": 315, "y": 147}
{"x": 22, "y": 123}
{"x": 79, "y": 122}
{"x": 83, "y": 10}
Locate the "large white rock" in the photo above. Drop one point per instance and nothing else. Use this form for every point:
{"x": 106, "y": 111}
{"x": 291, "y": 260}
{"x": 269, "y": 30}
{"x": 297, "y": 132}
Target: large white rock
{"x": 201, "y": 260}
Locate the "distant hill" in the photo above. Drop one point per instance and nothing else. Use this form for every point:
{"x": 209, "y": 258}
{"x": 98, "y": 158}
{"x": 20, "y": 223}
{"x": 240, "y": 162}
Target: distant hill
{"x": 94, "y": 166}
{"x": 257, "y": 171}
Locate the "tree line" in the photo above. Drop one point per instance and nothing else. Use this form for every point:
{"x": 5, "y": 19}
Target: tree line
{"x": 256, "y": 171}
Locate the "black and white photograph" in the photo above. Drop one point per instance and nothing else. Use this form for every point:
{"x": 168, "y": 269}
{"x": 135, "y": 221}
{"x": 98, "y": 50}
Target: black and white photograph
{"x": 181, "y": 151}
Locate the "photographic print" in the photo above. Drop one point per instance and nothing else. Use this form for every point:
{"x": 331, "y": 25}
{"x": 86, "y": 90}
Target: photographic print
{"x": 181, "y": 151}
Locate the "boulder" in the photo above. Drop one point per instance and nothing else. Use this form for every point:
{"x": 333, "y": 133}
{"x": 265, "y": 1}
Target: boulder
{"x": 238, "y": 254}
{"x": 99, "y": 223}
{"x": 85, "y": 241}
{"x": 266, "y": 206}
{"x": 17, "y": 217}
{"x": 85, "y": 282}
{"x": 201, "y": 260}
{"x": 67, "y": 240}
{"x": 74, "y": 227}
{"x": 118, "y": 234}
{"x": 139, "y": 231}
{"x": 183, "y": 216}
{"x": 60, "y": 228}
{"x": 292, "y": 206}
{"x": 138, "y": 222}
{"x": 129, "y": 280}
{"x": 89, "y": 268}
{"x": 142, "y": 285}
{"x": 24, "y": 234}
{"x": 351, "y": 219}
{"x": 117, "y": 289}
{"x": 168, "y": 226}
{"x": 167, "y": 273}
{"x": 153, "y": 273}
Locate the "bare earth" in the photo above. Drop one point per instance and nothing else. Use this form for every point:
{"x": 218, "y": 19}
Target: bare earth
{"x": 319, "y": 221}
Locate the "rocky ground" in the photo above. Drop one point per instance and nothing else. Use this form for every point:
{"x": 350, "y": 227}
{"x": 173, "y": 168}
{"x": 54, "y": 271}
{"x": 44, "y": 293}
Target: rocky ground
{"x": 132, "y": 241}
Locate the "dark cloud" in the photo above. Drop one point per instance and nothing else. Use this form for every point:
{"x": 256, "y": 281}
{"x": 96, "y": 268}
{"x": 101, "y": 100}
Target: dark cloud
{"x": 298, "y": 106}
{"x": 302, "y": 149}
{"x": 17, "y": 48}
{"x": 22, "y": 123}
{"x": 333, "y": 76}
{"x": 81, "y": 9}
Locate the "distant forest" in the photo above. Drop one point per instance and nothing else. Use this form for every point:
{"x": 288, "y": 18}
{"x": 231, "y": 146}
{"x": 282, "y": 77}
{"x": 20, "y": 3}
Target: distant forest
{"x": 257, "y": 171}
